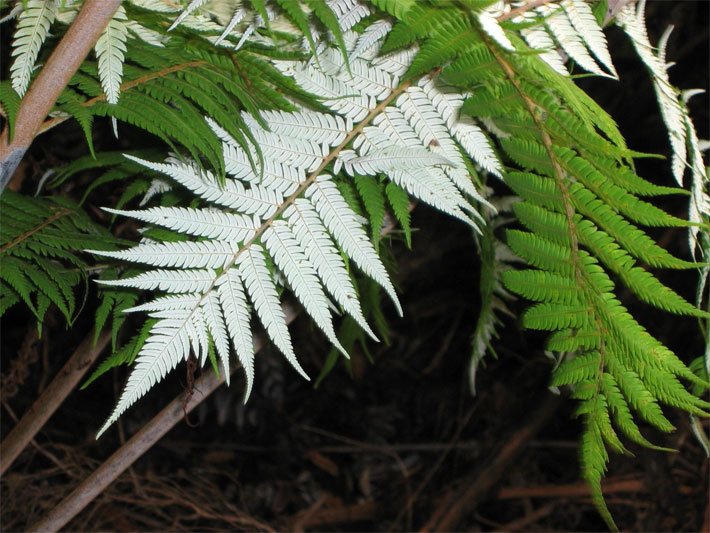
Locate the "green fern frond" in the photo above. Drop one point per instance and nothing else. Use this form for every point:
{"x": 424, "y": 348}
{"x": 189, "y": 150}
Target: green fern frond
{"x": 10, "y": 104}
{"x": 40, "y": 243}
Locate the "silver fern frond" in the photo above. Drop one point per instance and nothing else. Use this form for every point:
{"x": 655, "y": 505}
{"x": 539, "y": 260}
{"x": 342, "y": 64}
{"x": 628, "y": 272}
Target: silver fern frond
{"x": 33, "y": 26}
{"x": 287, "y": 216}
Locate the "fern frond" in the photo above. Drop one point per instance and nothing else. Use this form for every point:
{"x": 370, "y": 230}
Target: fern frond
{"x": 110, "y": 53}
{"x": 33, "y": 25}
{"x": 632, "y": 21}
{"x": 40, "y": 243}
{"x": 289, "y": 213}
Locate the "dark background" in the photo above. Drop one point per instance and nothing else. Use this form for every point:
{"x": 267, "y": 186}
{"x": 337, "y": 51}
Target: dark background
{"x": 393, "y": 443}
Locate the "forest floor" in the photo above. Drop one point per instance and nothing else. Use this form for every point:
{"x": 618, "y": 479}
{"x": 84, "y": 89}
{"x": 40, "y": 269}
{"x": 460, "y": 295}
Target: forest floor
{"x": 395, "y": 443}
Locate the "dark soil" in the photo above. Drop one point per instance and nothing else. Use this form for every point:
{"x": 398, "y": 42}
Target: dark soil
{"x": 394, "y": 443}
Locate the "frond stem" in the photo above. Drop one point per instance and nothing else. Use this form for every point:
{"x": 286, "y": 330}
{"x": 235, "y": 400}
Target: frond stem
{"x": 49, "y": 124}
{"x": 26, "y": 235}
{"x": 524, "y": 8}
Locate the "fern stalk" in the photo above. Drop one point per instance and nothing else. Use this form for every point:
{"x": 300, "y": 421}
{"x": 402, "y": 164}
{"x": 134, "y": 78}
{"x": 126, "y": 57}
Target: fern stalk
{"x": 26, "y": 235}
{"x": 51, "y": 398}
{"x": 51, "y": 123}
{"x": 533, "y": 4}
{"x": 51, "y": 81}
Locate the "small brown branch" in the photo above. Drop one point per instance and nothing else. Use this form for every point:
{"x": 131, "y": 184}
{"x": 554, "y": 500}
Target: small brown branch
{"x": 51, "y": 123}
{"x": 26, "y": 235}
{"x": 458, "y": 506}
{"x": 132, "y": 450}
{"x": 522, "y": 9}
{"x": 574, "y": 490}
{"x": 54, "y": 76}
{"x": 523, "y": 522}
{"x": 51, "y": 398}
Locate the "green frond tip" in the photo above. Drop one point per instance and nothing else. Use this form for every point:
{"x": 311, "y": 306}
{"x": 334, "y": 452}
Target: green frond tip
{"x": 594, "y": 458}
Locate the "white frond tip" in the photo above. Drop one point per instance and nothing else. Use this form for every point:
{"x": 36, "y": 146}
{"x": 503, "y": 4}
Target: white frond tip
{"x": 583, "y": 20}
{"x": 493, "y": 29}
{"x": 237, "y": 17}
{"x": 214, "y": 320}
{"x": 344, "y": 226}
{"x": 322, "y": 253}
{"x": 262, "y": 292}
{"x": 301, "y": 276}
{"x": 168, "y": 344}
{"x": 191, "y": 7}
{"x": 237, "y": 315}
{"x": 569, "y": 38}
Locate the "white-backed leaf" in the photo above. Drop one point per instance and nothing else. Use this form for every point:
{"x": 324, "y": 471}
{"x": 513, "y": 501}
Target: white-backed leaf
{"x": 301, "y": 276}
{"x": 236, "y": 317}
{"x": 262, "y": 292}
{"x": 393, "y": 158}
{"x": 172, "y": 302}
{"x": 33, "y": 26}
{"x": 191, "y": 8}
{"x": 569, "y": 39}
{"x": 256, "y": 200}
{"x": 172, "y": 281}
{"x": 210, "y": 223}
{"x": 494, "y": 30}
{"x": 110, "y": 53}
{"x": 322, "y": 253}
{"x": 632, "y": 20}
{"x": 212, "y": 311}
{"x": 583, "y": 20}
{"x": 344, "y": 226}
{"x": 183, "y": 254}
{"x": 167, "y": 344}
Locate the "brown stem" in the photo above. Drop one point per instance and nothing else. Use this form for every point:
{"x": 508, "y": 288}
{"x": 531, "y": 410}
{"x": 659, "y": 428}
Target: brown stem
{"x": 458, "y": 506}
{"x": 54, "y": 76}
{"x": 522, "y": 9}
{"x": 26, "y": 235}
{"x": 132, "y": 450}
{"x": 49, "y": 124}
{"x": 51, "y": 398}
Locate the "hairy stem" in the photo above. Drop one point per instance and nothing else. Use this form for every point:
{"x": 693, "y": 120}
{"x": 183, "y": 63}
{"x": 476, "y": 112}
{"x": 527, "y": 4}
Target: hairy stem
{"x": 54, "y": 76}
